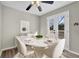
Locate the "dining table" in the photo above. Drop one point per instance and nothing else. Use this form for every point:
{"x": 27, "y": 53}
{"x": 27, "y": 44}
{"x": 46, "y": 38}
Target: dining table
{"x": 39, "y": 44}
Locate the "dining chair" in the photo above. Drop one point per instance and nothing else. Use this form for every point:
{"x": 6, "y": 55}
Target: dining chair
{"x": 22, "y": 49}
{"x": 59, "y": 49}
{"x": 56, "y": 50}
{"x": 36, "y": 33}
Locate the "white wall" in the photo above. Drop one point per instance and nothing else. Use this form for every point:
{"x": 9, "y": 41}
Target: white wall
{"x": 73, "y": 30}
{"x": 11, "y": 25}
{"x": 0, "y": 25}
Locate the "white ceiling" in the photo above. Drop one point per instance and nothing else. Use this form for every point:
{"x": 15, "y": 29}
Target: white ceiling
{"x": 22, "y": 5}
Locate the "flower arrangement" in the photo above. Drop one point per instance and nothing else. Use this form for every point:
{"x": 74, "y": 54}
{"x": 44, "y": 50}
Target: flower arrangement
{"x": 39, "y": 36}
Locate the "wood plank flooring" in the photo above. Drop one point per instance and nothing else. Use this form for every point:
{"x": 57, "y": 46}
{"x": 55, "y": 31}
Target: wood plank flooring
{"x": 12, "y": 52}
{"x": 9, "y": 53}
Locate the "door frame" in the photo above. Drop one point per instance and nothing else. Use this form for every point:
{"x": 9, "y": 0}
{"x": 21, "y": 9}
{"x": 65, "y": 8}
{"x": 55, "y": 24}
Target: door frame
{"x": 66, "y": 27}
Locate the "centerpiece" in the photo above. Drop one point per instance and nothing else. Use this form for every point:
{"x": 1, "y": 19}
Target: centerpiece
{"x": 39, "y": 36}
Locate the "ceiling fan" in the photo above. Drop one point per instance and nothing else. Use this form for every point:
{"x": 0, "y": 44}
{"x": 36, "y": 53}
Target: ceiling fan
{"x": 37, "y": 3}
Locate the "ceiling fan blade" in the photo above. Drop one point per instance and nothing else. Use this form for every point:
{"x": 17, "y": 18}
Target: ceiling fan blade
{"x": 29, "y": 7}
{"x": 48, "y": 2}
{"x": 39, "y": 8}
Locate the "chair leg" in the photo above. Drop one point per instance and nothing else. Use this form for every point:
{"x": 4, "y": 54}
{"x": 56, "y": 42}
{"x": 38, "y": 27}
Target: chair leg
{"x": 36, "y": 55}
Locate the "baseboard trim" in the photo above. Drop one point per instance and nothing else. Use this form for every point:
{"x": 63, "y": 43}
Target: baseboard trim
{"x": 72, "y": 52}
{"x": 8, "y": 48}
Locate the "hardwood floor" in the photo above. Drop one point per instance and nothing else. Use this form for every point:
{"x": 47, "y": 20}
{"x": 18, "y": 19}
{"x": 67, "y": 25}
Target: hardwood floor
{"x": 12, "y": 52}
{"x": 9, "y": 53}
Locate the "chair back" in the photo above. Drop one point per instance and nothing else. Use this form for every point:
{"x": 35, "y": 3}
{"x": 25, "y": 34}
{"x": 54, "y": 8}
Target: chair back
{"x": 36, "y": 33}
{"x": 58, "y": 50}
{"x": 21, "y": 47}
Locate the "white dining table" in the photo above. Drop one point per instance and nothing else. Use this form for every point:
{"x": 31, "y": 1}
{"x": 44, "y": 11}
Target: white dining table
{"x": 41, "y": 42}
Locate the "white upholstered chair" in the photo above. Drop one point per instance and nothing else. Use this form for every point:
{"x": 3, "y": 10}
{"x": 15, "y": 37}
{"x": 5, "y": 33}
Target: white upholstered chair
{"x": 56, "y": 51}
{"x": 59, "y": 49}
{"x": 22, "y": 49}
{"x": 36, "y": 33}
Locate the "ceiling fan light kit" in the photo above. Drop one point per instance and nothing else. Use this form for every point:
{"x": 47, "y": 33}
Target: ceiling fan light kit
{"x": 37, "y": 3}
